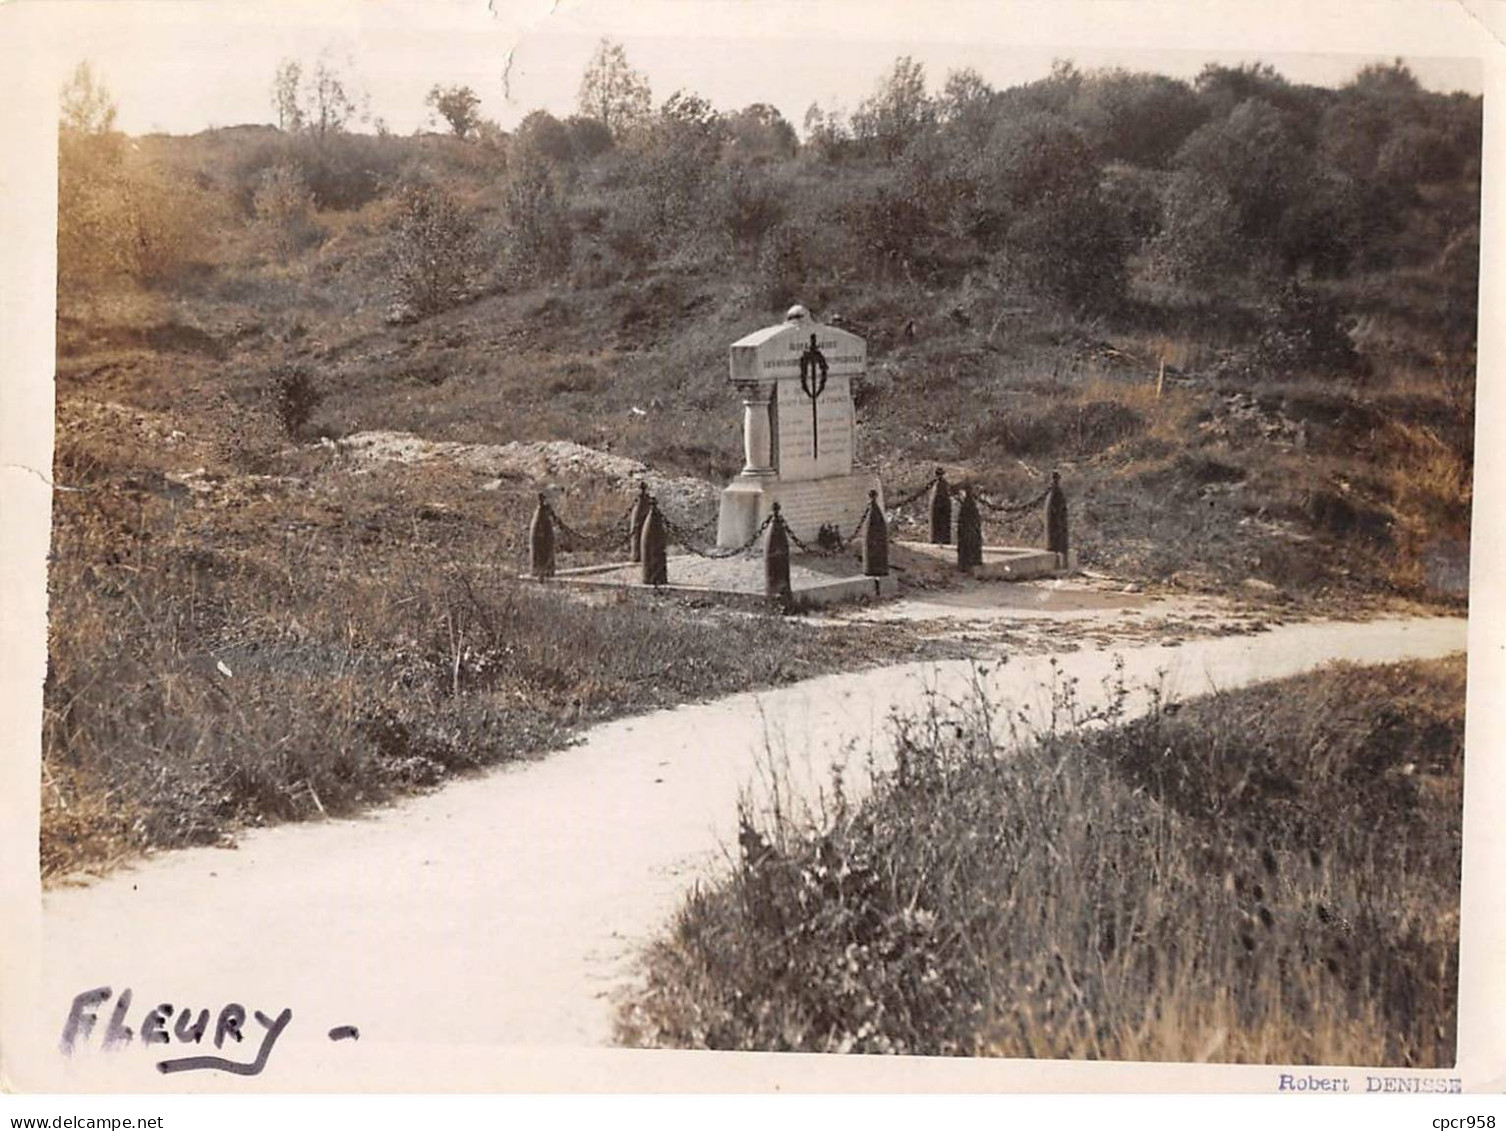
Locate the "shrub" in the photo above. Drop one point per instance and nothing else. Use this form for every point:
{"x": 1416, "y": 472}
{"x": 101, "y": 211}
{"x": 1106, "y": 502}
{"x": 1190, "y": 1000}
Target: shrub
{"x": 294, "y": 399}
{"x": 284, "y": 208}
{"x": 783, "y": 267}
{"x": 432, "y": 246}
{"x": 1304, "y": 333}
{"x": 121, "y": 215}
{"x": 537, "y": 224}
{"x": 748, "y": 205}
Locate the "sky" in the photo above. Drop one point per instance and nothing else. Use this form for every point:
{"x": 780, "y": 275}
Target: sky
{"x": 179, "y": 66}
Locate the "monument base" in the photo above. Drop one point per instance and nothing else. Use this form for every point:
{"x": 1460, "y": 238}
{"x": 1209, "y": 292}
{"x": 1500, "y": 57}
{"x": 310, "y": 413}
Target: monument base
{"x": 806, "y": 504}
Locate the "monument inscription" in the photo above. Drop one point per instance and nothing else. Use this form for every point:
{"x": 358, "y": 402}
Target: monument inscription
{"x": 813, "y": 448}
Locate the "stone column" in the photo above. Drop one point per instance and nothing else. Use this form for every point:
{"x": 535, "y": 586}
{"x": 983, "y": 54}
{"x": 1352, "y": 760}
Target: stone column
{"x": 757, "y": 438}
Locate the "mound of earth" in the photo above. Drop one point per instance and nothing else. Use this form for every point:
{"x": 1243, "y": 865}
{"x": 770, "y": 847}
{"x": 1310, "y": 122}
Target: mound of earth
{"x": 542, "y": 461}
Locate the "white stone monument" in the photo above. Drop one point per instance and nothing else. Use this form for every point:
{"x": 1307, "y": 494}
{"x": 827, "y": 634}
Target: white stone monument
{"x": 796, "y": 382}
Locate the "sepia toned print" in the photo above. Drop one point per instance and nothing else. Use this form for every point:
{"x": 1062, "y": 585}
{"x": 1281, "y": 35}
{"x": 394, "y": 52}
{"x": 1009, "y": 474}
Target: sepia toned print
{"x": 974, "y": 565}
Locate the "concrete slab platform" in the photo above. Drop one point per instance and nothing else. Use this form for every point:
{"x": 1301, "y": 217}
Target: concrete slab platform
{"x": 1000, "y": 563}
{"x": 814, "y": 581}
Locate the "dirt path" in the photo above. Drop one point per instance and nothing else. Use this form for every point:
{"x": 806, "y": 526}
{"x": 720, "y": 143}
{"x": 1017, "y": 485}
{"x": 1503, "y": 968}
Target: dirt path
{"x": 507, "y": 909}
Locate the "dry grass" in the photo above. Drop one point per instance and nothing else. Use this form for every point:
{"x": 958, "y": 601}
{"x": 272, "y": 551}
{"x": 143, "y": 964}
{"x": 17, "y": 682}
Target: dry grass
{"x": 251, "y": 649}
{"x": 1267, "y": 876}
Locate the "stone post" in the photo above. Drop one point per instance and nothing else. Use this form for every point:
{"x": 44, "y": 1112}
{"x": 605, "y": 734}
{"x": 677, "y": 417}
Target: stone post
{"x": 1056, "y": 520}
{"x": 875, "y": 540}
{"x": 969, "y": 532}
{"x": 941, "y": 510}
{"x": 541, "y": 541}
{"x": 776, "y": 558}
{"x": 655, "y": 546}
{"x": 635, "y": 521}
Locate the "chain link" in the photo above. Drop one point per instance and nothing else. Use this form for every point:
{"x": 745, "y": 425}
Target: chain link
{"x": 912, "y": 496}
{"x": 842, "y": 546}
{"x": 682, "y": 538}
{"x": 610, "y": 538}
{"x": 694, "y": 527}
{"x": 1011, "y": 508}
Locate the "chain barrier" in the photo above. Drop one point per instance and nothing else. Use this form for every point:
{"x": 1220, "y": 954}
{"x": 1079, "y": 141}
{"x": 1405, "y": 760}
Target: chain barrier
{"x": 923, "y": 489}
{"x": 1009, "y": 508}
{"x": 701, "y": 528}
{"x": 610, "y": 538}
{"x": 682, "y": 538}
{"x": 842, "y": 546}
{"x": 684, "y": 534}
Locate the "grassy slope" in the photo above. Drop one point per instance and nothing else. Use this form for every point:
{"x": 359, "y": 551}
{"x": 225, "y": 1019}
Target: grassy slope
{"x": 1325, "y": 489}
{"x": 1271, "y": 875}
{"x": 1322, "y": 487}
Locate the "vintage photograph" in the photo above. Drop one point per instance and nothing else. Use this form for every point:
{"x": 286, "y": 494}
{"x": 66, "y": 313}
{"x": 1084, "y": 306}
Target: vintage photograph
{"x": 640, "y": 536}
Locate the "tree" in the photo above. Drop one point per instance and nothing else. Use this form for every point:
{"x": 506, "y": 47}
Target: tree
{"x": 676, "y": 156}
{"x": 1224, "y": 88}
{"x": 1254, "y": 156}
{"x": 749, "y": 204}
{"x": 826, "y": 132}
{"x": 1052, "y": 94}
{"x": 432, "y": 245}
{"x": 541, "y": 137}
{"x": 331, "y": 104}
{"x": 966, "y": 105}
{"x": 457, "y": 105}
{"x": 1229, "y": 202}
{"x": 536, "y": 223}
{"x": 588, "y": 137}
{"x": 90, "y": 157}
{"x": 1039, "y": 200}
{"x": 612, "y": 92}
{"x": 1386, "y": 80}
{"x": 760, "y": 133}
{"x": 325, "y": 105}
{"x": 284, "y": 207}
{"x": 898, "y": 111}
{"x": 1139, "y": 118}
{"x": 287, "y": 84}
{"x": 86, "y": 107}
{"x": 119, "y": 214}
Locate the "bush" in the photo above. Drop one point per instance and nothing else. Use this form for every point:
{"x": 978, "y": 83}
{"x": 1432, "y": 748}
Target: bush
{"x": 783, "y": 267}
{"x": 748, "y": 205}
{"x": 284, "y": 208}
{"x": 294, "y": 399}
{"x": 124, "y": 216}
{"x": 537, "y": 225}
{"x": 1304, "y": 334}
{"x": 433, "y": 247}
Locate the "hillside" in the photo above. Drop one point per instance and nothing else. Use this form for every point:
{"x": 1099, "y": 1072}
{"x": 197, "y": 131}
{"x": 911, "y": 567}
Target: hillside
{"x": 1238, "y": 315}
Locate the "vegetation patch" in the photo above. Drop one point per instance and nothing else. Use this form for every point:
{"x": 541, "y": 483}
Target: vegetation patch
{"x": 1269, "y": 875}
{"x": 228, "y": 652}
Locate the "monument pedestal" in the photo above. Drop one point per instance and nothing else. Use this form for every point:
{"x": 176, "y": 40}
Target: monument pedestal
{"x": 806, "y": 504}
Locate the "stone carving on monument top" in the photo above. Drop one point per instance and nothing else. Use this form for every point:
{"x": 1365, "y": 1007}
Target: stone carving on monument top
{"x": 798, "y": 429}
